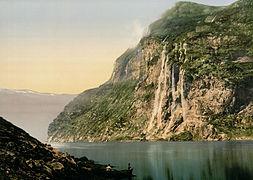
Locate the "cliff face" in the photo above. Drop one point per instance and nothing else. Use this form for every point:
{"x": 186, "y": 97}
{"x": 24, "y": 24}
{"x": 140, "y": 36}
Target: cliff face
{"x": 191, "y": 78}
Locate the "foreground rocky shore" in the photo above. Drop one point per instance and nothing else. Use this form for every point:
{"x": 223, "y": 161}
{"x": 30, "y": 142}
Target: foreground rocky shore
{"x": 24, "y": 157}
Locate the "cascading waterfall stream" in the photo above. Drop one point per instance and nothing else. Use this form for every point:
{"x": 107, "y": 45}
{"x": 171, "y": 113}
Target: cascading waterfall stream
{"x": 162, "y": 95}
{"x": 174, "y": 93}
{"x": 159, "y": 94}
{"x": 177, "y": 90}
{"x": 182, "y": 95}
{"x": 173, "y": 89}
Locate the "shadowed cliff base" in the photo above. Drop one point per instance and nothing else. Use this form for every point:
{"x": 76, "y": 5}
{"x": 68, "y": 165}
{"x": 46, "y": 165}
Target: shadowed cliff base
{"x": 24, "y": 157}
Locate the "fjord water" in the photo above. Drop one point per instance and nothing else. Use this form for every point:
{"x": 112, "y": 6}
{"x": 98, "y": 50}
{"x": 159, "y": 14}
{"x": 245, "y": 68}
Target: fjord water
{"x": 172, "y": 160}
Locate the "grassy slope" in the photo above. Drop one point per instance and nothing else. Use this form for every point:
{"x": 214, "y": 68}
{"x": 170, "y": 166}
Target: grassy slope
{"x": 103, "y": 113}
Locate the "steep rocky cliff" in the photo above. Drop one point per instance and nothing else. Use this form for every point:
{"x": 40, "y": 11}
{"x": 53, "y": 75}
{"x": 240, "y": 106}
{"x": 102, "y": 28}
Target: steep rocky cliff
{"x": 191, "y": 78}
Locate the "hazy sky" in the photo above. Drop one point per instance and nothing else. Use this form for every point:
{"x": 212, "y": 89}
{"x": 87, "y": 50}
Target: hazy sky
{"x": 67, "y": 46}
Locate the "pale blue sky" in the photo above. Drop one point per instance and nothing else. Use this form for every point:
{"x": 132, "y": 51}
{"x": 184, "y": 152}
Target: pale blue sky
{"x": 67, "y": 46}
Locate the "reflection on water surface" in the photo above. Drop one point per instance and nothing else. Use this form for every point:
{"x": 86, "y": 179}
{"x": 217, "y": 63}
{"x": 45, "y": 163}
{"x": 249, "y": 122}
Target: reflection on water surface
{"x": 172, "y": 160}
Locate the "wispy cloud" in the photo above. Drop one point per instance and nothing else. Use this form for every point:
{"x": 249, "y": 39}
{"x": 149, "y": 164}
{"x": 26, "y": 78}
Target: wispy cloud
{"x": 137, "y": 31}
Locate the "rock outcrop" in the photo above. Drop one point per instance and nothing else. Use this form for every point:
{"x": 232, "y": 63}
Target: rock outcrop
{"x": 191, "y": 78}
{"x": 24, "y": 157}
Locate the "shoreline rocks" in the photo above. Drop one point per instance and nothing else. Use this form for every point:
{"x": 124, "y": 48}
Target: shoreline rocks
{"x": 24, "y": 157}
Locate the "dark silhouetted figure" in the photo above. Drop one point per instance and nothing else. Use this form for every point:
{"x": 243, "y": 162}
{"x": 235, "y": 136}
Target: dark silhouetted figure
{"x": 108, "y": 167}
{"x": 129, "y": 167}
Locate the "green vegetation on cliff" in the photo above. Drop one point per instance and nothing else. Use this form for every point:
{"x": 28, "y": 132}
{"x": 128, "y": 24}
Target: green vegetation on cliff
{"x": 181, "y": 19}
{"x": 184, "y": 136}
{"x": 107, "y": 106}
{"x": 216, "y": 38}
{"x": 234, "y": 126}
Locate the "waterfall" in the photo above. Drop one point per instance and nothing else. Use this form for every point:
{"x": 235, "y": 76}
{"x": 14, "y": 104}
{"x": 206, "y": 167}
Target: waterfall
{"x": 163, "y": 93}
{"x": 174, "y": 94}
{"x": 173, "y": 88}
{"x": 182, "y": 95}
{"x": 160, "y": 93}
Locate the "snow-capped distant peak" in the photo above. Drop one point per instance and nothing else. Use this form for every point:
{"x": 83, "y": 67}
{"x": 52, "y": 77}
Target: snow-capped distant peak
{"x": 30, "y": 92}
{"x": 26, "y": 92}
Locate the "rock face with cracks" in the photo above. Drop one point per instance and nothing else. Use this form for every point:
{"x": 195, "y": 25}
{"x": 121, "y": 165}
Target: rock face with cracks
{"x": 190, "y": 78}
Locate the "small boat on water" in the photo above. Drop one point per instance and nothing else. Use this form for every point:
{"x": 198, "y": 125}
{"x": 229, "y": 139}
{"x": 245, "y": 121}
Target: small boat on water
{"x": 120, "y": 173}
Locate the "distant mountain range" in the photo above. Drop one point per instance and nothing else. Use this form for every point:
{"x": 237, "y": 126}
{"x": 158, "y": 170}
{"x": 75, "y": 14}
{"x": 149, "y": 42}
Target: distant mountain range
{"x": 32, "y": 111}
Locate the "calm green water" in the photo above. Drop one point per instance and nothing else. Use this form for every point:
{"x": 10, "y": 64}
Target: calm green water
{"x": 172, "y": 160}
